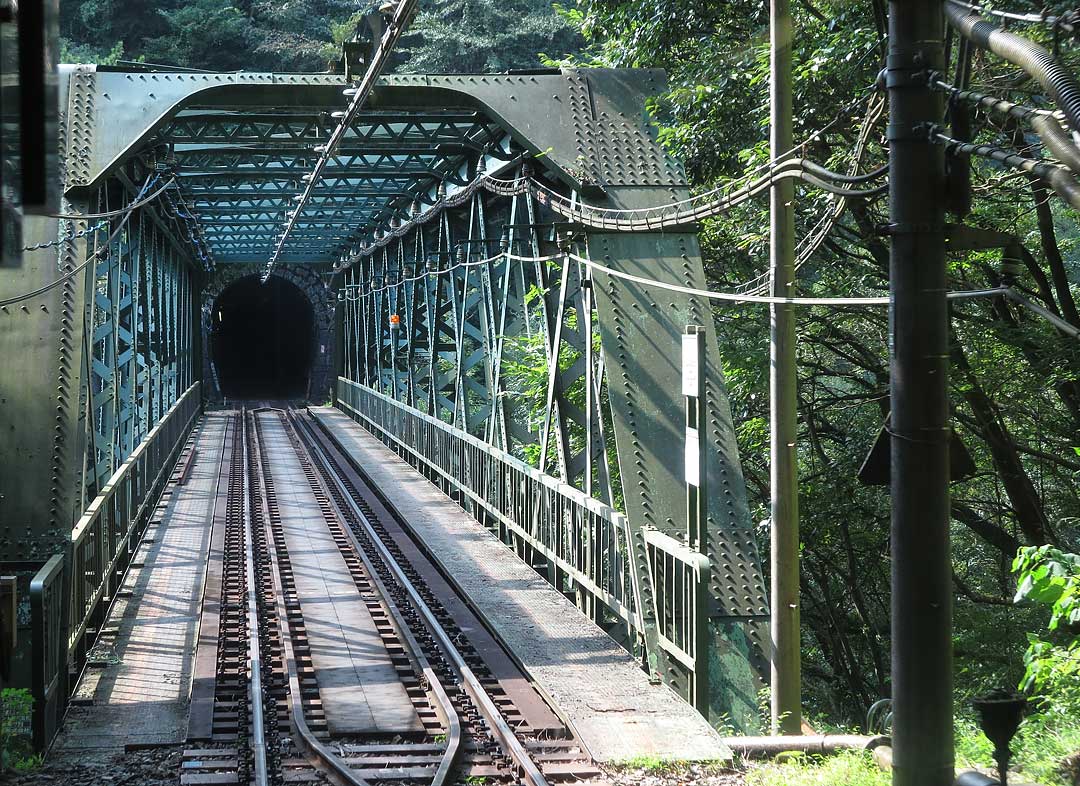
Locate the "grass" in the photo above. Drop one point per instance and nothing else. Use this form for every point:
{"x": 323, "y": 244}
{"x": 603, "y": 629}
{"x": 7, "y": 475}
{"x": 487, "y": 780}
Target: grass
{"x": 849, "y": 768}
{"x": 1043, "y": 743}
{"x": 16, "y": 752}
{"x": 1039, "y": 748}
{"x": 648, "y": 763}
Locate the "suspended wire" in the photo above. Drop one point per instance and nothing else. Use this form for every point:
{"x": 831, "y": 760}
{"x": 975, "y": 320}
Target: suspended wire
{"x": 811, "y": 242}
{"x": 1056, "y": 176}
{"x": 402, "y": 15}
{"x": 732, "y": 297}
{"x": 612, "y": 218}
{"x": 629, "y": 220}
{"x": 119, "y": 211}
{"x": 68, "y": 237}
{"x": 500, "y": 257}
{"x": 93, "y": 257}
{"x": 993, "y": 103}
{"x": 515, "y": 187}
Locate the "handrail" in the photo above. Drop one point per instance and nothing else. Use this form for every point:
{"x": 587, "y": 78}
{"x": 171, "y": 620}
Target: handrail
{"x": 567, "y": 553}
{"x": 49, "y": 662}
{"x": 102, "y": 537}
{"x": 579, "y": 535}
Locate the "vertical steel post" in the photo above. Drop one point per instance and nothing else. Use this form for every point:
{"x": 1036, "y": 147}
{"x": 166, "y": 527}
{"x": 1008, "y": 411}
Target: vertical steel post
{"x": 786, "y": 705}
{"x": 921, "y": 566}
{"x": 693, "y": 388}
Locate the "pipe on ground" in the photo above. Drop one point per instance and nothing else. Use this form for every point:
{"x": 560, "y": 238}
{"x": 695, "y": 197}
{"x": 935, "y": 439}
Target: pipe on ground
{"x": 972, "y": 778}
{"x": 764, "y": 747}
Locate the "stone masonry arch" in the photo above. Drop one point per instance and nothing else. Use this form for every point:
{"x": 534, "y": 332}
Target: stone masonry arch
{"x": 308, "y": 280}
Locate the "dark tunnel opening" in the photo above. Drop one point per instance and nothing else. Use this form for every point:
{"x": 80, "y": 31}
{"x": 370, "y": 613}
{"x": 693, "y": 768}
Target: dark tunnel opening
{"x": 262, "y": 339}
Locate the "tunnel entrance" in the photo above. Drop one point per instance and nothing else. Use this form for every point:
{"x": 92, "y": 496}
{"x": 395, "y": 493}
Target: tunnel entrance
{"x": 262, "y": 339}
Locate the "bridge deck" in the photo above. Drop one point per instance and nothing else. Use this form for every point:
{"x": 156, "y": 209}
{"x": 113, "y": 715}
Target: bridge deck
{"x": 139, "y": 697}
{"x": 358, "y": 685}
{"x": 595, "y": 683}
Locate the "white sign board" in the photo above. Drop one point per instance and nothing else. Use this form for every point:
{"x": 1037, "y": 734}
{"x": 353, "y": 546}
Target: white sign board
{"x": 693, "y": 453}
{"x": 690, "y": 369}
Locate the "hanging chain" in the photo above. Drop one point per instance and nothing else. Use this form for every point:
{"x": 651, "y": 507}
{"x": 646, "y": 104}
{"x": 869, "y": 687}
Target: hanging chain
{"x": 68, "y": 237}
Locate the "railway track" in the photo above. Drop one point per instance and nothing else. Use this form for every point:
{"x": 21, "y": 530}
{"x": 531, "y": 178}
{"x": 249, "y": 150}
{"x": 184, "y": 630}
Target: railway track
{"x": 480, "y": 721}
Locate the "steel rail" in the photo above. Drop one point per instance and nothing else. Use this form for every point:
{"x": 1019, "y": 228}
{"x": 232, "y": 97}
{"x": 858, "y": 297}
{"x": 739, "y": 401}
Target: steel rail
{"x": 306, "y": 737}
{"x": 495, "y": 721}
{"x": 258, "y": 726}
{"x": 450, "y": 715}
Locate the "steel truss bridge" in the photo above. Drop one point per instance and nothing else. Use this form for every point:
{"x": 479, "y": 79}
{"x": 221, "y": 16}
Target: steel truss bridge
{"x": 456, "y": 323}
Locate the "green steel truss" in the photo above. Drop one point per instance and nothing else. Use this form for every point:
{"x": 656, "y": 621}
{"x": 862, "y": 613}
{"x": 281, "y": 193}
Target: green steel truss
{"x": 572, "y": 377}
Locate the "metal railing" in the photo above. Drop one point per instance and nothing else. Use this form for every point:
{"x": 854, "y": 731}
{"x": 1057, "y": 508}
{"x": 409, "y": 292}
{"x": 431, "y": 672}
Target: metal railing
{"x": 581, "y": 537}
{"x": 680, "y": 580}
{"x": 105, "y": 537}
{"x": 48, "y": 671}
{"x": 70, "y": 595}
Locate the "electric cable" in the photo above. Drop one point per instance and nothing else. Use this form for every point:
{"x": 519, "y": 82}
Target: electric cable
{"x": 1058, "y": 177}
{"x": 403, "y": 14}
{"x": 79, "y": 268}
{"x": 793, "y": 301}
{"x": 993, "y": 103}
{"x": 1039, "y": 64}
{"x": 1066, "y": 22}
{"x": 811, "y": 242}
{"x": 732, "y": 297}
{"x": 119, "y": 211}
{"x": 515, "y": 187}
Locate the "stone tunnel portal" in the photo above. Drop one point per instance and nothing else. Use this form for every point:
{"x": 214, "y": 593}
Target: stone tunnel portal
{"x": 263, "y": 339}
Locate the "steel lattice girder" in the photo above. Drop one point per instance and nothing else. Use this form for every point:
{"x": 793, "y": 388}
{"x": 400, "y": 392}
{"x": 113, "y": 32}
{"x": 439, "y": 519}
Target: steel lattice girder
{"x": 610, "y": 348}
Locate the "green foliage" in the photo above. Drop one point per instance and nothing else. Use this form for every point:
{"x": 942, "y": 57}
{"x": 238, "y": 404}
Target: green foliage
{"x": 849, "y": 768}
{"x": 1041, "y": 746}
{"x": 298, "y": 35}
{"x": 16, "y": 753}
{"x": 649, "y": 763}
{"x": 204, "y": 31}
{"x": 85, "y": 53}
{"x": 1015, "y": 383}
{"x": 1050, "y": 577}
{"x": 475, "y": 36}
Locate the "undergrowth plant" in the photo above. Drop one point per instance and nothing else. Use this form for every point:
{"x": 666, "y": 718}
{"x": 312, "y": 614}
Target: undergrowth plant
{"x": 16, "y": 752}
{"x": 1048, "y": 745}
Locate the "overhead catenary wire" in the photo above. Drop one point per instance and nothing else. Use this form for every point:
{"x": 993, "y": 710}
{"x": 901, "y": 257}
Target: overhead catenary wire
{"x": 768, "y": 299}
{"x": 636, "y": 219}
{"x": 1056, "y": 176}
{"x": 731, "y": 297}
{"x": 403, "y": 13}
{"x": 812, "y": 241}
{"x": 1066, "y": 22}
{"x": 1042, "y": 66}
{"x": 990, "y": 102}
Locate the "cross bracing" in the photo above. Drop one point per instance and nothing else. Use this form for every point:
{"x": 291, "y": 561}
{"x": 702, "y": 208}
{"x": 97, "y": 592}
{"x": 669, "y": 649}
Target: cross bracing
{"x": 572, "y": 372}
{"x": 243, "y": 170}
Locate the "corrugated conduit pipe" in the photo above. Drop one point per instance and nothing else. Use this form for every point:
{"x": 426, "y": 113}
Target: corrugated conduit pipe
{"x": 1037, "y": 63}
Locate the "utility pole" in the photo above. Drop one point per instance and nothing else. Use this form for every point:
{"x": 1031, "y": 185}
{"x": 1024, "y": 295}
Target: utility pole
{"x": 786, "y": 708}
{"x": 919, "y": 366}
